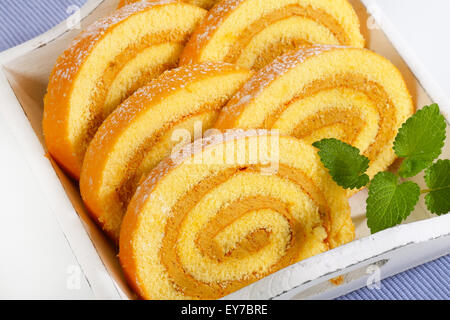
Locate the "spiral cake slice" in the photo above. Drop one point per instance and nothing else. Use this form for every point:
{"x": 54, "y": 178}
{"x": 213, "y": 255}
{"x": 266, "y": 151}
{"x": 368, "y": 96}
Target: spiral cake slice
{"x": 105, "y": 64}
{"x": 321, "y": 92}
{"x": 206, "y": 4}
{"x": 201, "y": 226}
{"x": 133, "y": 139}
{"x": 251, "y": 33}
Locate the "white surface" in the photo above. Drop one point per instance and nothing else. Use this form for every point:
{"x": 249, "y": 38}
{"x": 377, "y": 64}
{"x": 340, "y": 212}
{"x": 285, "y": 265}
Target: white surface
{"x": 420, "y": 31}
{"x": 50, "y": 191}
{"x": 36, "y": 260}
{"x": 36, "y": 256}
{"x": 391, "y": 250}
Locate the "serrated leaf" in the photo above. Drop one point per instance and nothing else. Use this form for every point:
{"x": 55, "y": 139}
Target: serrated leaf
{"x": 389, "y": 203}
{"x": 420, "y": 140}
{"x": 437, "y": 178}
{"x": 344, "y": 162}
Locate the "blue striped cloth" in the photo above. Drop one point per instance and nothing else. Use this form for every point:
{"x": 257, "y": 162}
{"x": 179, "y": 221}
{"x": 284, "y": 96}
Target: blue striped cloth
{"x": 429, "y": 281}
{"x": 21, "y": 20}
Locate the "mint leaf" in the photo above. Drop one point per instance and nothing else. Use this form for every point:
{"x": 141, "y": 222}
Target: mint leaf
{"x": 420, "y": 140}
{"x": 437, "y": 178}
{"x": 344, "y": 162}
{"x": 389, "y": 202}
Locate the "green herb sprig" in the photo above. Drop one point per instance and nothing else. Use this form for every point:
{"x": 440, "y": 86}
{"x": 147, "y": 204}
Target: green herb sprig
{"x": 391, "y": 200}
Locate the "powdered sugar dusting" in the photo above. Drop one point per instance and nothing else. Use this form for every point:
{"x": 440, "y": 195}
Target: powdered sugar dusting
{"x": 211, "y": 23}
{"x": 169, "y": 82}
{"x": 271, "y": 72}
{"x": 70, "y": 62}
{"x": 187, "y": 153}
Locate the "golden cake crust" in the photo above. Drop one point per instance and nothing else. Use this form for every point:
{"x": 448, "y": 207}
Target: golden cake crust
{"x": 340, "y": 231}
{"x": 219, "y": 14}
{"x": 391, "y": 116}
{"x": 65, "y": 72}
{"x": 233, "y": 110}
{"x": 120, "y": 120}
{"x": 206, "y": 30}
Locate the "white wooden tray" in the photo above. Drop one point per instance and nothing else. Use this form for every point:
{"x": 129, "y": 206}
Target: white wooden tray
{"x": 24, "y": 72}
